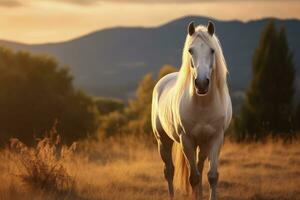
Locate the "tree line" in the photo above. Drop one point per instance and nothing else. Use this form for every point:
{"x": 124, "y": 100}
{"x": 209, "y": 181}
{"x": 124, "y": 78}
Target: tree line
{"x": 37, "y": 93}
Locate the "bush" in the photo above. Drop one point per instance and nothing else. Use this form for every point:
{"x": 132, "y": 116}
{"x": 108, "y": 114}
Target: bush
{"x": 112, "y": 124}
{"x": 42, "y": 166}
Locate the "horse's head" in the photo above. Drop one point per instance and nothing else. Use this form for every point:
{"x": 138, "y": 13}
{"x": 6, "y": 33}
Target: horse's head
{"x": 202, "y": 57}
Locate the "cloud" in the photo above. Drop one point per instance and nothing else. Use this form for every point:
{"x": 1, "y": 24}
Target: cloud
{"x": 80, "y": 2}
{"x": 10, "y": 3}
{"x": 17, "y": 3}
{"x": 91, "y": 2}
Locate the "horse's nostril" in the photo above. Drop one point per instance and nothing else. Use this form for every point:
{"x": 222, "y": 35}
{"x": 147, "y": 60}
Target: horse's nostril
{"x": 207, "y": 81}
{"x": 197, "y": 83}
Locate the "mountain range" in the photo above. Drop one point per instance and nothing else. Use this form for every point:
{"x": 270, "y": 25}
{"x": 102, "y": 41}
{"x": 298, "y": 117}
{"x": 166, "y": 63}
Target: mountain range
{"x": 111, "y": 62}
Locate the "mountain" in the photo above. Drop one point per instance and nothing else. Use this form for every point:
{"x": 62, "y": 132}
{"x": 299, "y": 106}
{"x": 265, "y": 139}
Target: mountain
{"x": 110, "y": 62}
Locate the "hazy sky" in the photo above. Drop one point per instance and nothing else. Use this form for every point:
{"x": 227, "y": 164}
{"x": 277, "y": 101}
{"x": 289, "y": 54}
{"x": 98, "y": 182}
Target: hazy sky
{"x": 37, "y": 21}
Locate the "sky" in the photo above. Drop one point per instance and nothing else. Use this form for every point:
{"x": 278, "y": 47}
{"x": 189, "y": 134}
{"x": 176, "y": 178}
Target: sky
{"x": 41, "y": 21}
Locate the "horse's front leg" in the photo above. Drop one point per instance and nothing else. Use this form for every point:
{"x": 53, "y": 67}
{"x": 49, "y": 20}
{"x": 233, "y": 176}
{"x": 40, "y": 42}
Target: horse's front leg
{"x": 202, "y": 155}
{"x": 189, "y": 150}
{"x": 213, "y": 158}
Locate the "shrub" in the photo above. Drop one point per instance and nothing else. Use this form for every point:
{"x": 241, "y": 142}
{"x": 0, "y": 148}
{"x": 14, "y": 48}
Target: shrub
{"x": 42, "y": 166}
{"x": 112, "y": 124}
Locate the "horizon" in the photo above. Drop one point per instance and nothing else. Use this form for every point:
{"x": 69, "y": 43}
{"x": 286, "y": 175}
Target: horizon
{"x": 144, "y": 27}
{"x": 42, "y": 22}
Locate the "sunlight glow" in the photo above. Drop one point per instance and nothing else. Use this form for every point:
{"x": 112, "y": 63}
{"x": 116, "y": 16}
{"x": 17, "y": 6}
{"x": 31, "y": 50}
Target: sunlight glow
{"x": 52, "y": 21}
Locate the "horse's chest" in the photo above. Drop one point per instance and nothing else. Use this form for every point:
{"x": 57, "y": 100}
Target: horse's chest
{"x": 204, "y": 125}
{"x": 203, "y": 130}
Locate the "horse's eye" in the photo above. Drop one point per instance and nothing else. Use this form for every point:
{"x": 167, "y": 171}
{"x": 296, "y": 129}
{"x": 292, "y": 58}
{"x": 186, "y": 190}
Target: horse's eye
{"x": 191, "y": 51}
{"x": 212, "y": 51}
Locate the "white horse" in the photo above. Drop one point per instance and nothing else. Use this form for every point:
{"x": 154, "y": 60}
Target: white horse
{"x": 192, "y": 109}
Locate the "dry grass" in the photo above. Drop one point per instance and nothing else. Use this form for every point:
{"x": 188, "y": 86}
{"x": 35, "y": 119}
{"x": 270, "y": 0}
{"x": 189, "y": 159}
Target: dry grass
{"x": 129, "y": 169}
{"x": 42, "y": 166}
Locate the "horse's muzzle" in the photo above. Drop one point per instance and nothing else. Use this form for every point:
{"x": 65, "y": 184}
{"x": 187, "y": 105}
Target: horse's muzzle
{"x": 201, "y": 86}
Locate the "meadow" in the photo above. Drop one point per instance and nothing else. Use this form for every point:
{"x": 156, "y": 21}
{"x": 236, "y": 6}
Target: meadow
{"x": 130, "y": 168}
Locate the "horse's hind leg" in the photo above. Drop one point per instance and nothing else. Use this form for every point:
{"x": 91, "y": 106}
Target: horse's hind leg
{"x": 165, "y": 150}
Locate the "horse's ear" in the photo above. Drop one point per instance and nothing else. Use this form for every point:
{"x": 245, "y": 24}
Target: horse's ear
{"x": 191, "y": 28}
{"x": 210, "y": 28}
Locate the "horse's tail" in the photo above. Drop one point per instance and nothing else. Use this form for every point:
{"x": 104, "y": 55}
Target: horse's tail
{"x": 181, "y": 178}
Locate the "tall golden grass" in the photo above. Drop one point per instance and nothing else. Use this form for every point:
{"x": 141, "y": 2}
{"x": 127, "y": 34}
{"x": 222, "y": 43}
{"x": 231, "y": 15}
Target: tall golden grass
{"x": 130, "y": 168}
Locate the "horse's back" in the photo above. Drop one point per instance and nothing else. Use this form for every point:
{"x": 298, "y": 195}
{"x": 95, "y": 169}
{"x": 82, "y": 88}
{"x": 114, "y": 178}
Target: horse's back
{"x": 165, "y": 82}
{"x": 160, "y": 101}
{"x": 228, "y": 111}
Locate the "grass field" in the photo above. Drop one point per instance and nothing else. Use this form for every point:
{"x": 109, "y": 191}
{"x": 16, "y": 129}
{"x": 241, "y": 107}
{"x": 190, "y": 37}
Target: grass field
{"x": 129, "y": 169}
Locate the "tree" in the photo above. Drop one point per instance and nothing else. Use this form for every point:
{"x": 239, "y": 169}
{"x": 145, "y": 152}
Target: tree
{"x": 136, "y": 117}
{"x": 108, "y": 105}
{"x": 35, "y": 92}
{"x": 268, "y": 105}
{"x": 139, "y": 109}
{"x": 297, "y": 117}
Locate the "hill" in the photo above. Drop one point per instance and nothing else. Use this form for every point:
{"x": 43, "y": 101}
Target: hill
{"x": 110, "y": 62}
